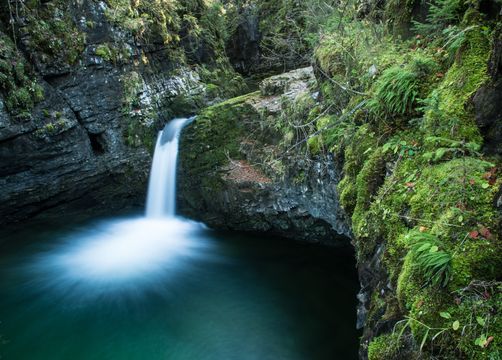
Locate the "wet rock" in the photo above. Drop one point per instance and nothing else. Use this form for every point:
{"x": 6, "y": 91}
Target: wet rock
{"x": 243, "y": 48}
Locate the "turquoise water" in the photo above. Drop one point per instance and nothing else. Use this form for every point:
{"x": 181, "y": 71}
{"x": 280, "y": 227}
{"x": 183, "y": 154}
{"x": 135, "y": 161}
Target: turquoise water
{"x": 134, "y": 289}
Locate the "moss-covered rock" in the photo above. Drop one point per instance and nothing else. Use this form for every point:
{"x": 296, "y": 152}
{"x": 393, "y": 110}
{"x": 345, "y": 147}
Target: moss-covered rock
{"x": 235, "y": 171}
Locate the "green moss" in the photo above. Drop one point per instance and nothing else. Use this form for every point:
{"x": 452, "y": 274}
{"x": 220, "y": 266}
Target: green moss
{"x": 104, "y": 51}
{"x": 448, "y": 113}
{"x": 385, "y": 347}
{"x": 213, "y": 139}
{"x": 112, "y": 53}
{"x": 51, "y": 31}
{"x": 51, "y": 129}
{"x": 18, "y": 84}
{"x": 368, "y": 181}
{"x": 362, "y": 143}
{"x": 223, "y": 81}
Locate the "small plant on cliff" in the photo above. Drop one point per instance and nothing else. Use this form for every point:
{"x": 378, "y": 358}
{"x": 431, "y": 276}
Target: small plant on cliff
{"x": 399, "y": 87}
{"x": 454, "y": 148}
{"x": 432, "y": 263}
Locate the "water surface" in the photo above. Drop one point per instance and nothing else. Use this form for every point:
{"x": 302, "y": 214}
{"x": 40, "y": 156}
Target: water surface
{"x": 136, "y": 288}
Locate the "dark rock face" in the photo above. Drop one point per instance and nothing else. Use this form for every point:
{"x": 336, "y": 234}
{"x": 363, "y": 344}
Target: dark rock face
{"x": 488, "y": 102}
{"x": 236, "y": 192}
{"x": 308, "y": 211}
{"x": 243, "y": 47}
{"x": 78, "y": 150}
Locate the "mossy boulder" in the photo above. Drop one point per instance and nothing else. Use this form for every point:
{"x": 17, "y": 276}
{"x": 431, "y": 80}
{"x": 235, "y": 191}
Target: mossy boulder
{"x": 232, "y": 169}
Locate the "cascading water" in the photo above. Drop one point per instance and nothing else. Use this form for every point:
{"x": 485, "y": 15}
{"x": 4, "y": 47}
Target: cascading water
{"x": 161, "y": 200}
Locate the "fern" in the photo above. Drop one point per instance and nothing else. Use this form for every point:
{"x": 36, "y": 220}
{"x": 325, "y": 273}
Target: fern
{"x": 396, "y": 91}
{"x": 442, "y": 13}
{"x": 431, "y": 262}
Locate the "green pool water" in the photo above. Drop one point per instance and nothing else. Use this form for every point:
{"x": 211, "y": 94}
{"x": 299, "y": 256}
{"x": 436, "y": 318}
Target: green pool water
{"x": 129, "y": 289}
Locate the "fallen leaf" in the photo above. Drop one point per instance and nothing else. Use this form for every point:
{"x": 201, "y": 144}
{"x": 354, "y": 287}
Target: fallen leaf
{"x": 410, "y": 185}
{"x": 472, "y": 182}
{"x": 485, "y": 232}
{"x": 488, "y": 341}
{"x": 474, "y": 234}
{"x": 422, "y": 229}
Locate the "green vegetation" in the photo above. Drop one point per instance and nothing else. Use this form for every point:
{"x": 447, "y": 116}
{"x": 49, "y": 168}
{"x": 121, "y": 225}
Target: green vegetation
{"x": 433, "y": 264}
{"x": 112, "y": 53}
{"x": 18, "y": 84}
{"x": 48, "y": 29}
{"x": 140, "y": 120}
{"x": 415, "y": 179}
{"x": 149, "y": 21}
{"x": 210, "y": 143}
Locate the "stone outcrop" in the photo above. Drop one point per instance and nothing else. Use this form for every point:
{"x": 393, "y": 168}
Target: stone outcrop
{"x": 231, "y": 177}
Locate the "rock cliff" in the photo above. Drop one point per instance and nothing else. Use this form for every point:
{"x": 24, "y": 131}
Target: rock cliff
{"x": 86, "y": 85}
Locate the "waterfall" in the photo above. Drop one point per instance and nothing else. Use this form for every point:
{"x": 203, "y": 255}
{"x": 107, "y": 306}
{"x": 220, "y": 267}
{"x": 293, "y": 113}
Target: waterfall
{"x": 161, "y": 199}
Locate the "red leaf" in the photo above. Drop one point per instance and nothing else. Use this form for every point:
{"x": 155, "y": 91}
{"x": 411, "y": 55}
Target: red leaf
{"x": 474, "y": 234}
{"x": 491, "y": 176}
{"x": 410, "y": 185}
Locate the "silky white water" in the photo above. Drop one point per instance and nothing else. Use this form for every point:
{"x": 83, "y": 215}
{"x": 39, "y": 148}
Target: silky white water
{"x": 161, "y": 200}
{"x": 131, "y": 252}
